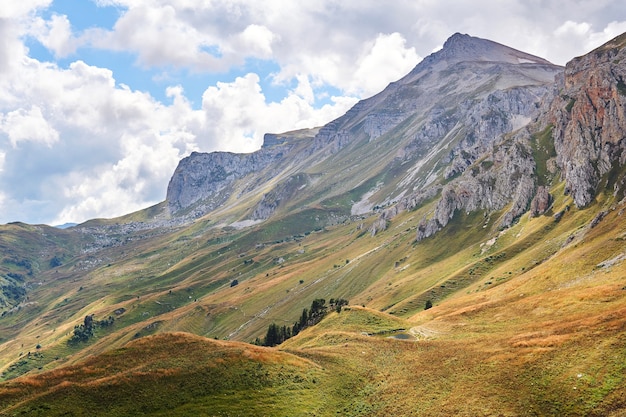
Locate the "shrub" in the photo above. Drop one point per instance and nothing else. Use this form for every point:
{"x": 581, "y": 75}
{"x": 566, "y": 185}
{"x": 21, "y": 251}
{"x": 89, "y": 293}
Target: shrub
{"x": 55, "y": 261}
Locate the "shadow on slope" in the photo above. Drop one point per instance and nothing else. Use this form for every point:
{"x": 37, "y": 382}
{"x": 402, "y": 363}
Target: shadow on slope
{"x": 175, "y": 374}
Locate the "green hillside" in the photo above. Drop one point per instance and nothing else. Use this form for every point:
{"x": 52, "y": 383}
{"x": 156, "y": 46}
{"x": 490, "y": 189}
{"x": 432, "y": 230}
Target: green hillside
{"x": 522, "y": 319}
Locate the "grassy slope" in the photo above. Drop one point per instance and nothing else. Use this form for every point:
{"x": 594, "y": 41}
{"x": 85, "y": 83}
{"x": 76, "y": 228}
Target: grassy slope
{"x": 527, "y": 324}
{"x": 204, "y": 377}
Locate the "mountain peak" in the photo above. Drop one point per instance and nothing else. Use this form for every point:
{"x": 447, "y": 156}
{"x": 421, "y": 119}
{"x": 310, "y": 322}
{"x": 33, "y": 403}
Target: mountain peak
{"x": 462, "y": 47}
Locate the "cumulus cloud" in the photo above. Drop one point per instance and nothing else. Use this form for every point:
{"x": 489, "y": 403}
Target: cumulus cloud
{"x": 11, "y": 47}
{"x": 569, "y": 36}
{"x": 388, "y": 59}
{"x": 163, "y": 40}
{"x": 237, "y": 114}
{"x": 256, "y": 40}
{"x": 17, "y": 9}
{"x": 28, "y": 125}
{"x": 56, "y": 35}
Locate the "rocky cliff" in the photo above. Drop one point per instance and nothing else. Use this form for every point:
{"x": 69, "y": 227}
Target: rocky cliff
{"x": 589, "y": 119}
{"x": 583, "y": 118}
{"x": 208, "y": 178}
{"x": 202, "y": 182}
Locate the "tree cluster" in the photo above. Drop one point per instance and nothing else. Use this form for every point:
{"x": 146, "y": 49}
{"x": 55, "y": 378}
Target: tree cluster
{"x": 84, "y": 332}
{"x": 278, "y": 334}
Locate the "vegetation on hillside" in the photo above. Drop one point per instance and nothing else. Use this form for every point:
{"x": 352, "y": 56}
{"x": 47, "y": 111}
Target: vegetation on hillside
{"x": 515, "y": 317}
{"x": 278, "y": 334}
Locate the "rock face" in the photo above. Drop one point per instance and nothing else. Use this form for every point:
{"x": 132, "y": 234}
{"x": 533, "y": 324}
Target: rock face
{"x": 209, "y": 177}
{"x": 203, "y": 182}
{"x": 541, "y": 203}
{"x": 505, "y": 175}
{"x": 284, "y": 191}
{"x": 589, "y": 119}
{"x": 586, "y": 112}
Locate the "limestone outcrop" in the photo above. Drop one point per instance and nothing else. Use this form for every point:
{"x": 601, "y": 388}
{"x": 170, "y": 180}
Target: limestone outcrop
{"x": 589, "y": 119}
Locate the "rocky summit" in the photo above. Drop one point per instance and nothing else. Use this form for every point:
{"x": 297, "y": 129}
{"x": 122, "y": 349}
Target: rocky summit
{"x": 453, "y": 245}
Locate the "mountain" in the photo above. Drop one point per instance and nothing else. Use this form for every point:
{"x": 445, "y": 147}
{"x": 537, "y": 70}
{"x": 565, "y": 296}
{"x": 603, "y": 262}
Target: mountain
{"x": 426, "y": 129}
{"x": 472, "y": 213}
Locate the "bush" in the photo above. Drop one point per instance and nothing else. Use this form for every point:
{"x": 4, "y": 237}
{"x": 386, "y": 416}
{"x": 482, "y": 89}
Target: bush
{"x": 55, "y": 262}
{"x": 84, "y": 332}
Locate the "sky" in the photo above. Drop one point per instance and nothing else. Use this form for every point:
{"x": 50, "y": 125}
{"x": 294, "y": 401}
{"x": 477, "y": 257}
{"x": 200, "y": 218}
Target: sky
{"x": 100, "y": 99}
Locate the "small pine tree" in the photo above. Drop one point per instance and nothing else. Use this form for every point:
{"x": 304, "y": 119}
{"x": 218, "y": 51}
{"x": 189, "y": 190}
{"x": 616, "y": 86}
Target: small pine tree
{"x": 272, "y": 335}
{"x": 429, "y": 304}
{"x": 317, "y": 312}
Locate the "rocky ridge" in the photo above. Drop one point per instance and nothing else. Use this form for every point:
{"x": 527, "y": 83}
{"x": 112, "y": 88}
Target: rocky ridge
{"x": 589, "y": 119}
{"x": 462, "y": 127}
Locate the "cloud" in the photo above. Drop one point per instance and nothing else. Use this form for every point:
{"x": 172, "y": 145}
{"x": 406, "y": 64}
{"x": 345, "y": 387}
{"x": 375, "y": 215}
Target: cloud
{"x": 85, "y": 142}
{"x": 164, "y": 39}
{"x": 256, "y": 40}
{"x": 11, "y": 47}
{"x": 569, "y": 36}
{"x": 388, "y": 60}
{"x": 17, "y": 9}
{"x": 128, "y": 185}
{"x": 28, "y": 125}
{"x": 56, "y": 35}
{"x": 238, "y": 114}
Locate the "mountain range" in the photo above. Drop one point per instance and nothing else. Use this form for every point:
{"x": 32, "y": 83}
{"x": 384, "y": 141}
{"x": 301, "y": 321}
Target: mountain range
{"x": 471, "y": 213}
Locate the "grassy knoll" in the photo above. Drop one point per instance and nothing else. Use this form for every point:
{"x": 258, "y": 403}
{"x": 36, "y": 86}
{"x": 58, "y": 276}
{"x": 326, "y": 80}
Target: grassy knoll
{"x": 173, "y": 375}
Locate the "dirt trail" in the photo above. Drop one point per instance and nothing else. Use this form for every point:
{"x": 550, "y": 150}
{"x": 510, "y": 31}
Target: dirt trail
{"x": 424, "y": 332}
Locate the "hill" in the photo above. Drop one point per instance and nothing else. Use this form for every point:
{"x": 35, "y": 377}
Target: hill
{"x": 472, "y": 213}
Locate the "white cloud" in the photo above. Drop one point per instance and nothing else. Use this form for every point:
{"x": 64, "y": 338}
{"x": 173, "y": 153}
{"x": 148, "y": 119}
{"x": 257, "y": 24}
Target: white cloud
{"x": 256, "y": 40}
{"x": 569, "y": 36}
{"x": 11, "y": 47}
{"x": 388, "y": 60}
{"x": 28, "y": 125}
{"x": 568, "y": 28}
{"x": 237, "y": 114}
{"x": 56, "y": 35}
{"x": 164, "y": 39}
{"x": 86, "y": 141}
{"x": 123, "y": 187}
{"x": 15, "y": 9}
